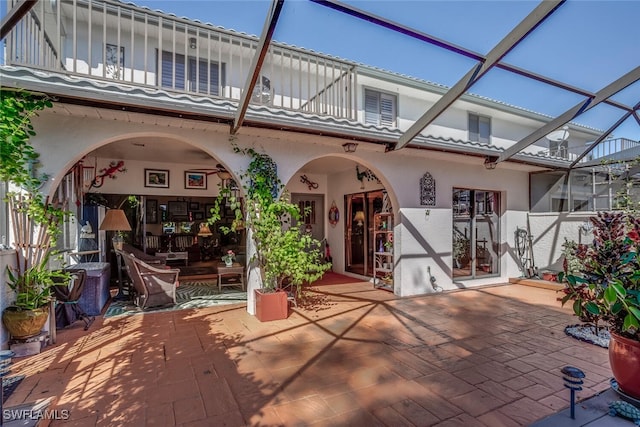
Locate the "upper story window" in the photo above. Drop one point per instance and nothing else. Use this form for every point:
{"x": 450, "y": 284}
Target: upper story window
{"x": 199, "y": 76}
{"x": 479, "y": 128}
{"x": 380, "y": 109}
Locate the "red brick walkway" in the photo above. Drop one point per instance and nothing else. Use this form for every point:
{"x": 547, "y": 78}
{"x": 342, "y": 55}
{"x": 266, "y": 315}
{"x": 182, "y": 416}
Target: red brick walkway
{"x": 352, "y": 356}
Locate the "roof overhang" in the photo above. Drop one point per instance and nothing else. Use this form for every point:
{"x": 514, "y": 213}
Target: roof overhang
{"x": 126, "y": 97}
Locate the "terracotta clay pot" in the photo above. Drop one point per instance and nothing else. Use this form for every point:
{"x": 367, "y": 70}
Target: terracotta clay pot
{"x": 624, "y": 358}
{"x": 271, "y": 305}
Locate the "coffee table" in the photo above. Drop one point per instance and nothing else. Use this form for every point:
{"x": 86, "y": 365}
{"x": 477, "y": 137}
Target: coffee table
{"x": 174, "y": 256}
{"x": 227, "y": 274}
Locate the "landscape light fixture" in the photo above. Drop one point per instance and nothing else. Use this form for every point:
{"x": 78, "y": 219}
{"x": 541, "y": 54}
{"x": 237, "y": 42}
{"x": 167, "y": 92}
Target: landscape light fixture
{"x": 350, "y": 147}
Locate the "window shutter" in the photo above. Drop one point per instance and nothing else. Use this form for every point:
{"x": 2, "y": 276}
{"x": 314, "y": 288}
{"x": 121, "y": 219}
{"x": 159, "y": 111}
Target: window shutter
{"x": 387, "y": 110}
{"x": 474, "y": 128}
{"x": 167, "y": 71}
{"x": 211, "y": 86}
{"x": 371, "y": 107}
{"x": 484, "y": 129}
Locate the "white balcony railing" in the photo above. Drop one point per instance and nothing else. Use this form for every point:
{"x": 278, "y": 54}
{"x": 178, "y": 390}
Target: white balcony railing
{"x": 109, "y": 40}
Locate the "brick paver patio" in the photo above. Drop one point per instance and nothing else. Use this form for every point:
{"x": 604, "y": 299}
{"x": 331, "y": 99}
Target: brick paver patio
{"x": 354, "y": 356}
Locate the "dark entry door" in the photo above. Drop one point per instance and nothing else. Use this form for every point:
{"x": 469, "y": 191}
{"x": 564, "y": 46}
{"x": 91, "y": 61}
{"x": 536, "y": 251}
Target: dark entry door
{"x": 314, "y": 219}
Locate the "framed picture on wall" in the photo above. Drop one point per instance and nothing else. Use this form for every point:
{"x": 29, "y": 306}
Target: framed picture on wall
{"x": 207, "y": 209}
{"x": 178, "y": 209}
{"x": 198, "y": 215}
{"x": 151, "y": 211}
{"x": 195, "y": 180}
{"x": 157, "y": 178}
{"x": 194, "y": 206}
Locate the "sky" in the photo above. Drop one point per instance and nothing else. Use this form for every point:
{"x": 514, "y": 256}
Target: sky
{"x": 588, "y": 44}
{"x": 585, "y": 43}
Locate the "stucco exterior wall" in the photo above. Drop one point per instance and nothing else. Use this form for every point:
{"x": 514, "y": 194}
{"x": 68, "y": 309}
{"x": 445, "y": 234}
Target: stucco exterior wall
{"x": 422, "y": 242}
{"x": 548, "y": 231}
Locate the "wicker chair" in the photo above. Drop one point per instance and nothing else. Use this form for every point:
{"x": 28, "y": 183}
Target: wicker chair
{"x": 153, "y": 286}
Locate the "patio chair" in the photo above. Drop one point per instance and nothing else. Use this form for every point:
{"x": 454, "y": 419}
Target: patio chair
{"x": 141, "y": 255}
{"x": 67, "y": 295}
{"x": 153, "y": 287}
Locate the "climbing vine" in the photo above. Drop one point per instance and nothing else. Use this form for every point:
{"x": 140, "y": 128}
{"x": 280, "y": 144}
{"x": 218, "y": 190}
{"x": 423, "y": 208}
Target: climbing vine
{"x": 18, "y": 159}
{"x": 283, "y": 252}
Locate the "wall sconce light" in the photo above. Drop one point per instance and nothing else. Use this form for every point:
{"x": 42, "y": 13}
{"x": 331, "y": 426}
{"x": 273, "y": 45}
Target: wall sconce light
{"x": 489, "y": 163}
{"x": 350, "y": 147}
{"x": 359, "y": 218}
{"x": 192, "y": 42}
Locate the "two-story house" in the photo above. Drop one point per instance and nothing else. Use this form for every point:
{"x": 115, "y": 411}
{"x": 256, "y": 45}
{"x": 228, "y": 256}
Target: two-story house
{"x": 160, "y": 94}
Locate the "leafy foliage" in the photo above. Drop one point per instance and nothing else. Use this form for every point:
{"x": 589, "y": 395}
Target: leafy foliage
{"x": 32, "y": 279}
{"x": 33, "y": 286}
{"x": 608, "y": 287}
{"x": 283, "y": 252}
{"x": 16, "y": 153}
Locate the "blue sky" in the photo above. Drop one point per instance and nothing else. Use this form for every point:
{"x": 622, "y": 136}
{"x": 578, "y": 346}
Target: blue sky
{"x": 588, "y": 44}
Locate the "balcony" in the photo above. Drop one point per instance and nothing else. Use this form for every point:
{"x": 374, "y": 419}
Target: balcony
{"x": 117, "y": 42}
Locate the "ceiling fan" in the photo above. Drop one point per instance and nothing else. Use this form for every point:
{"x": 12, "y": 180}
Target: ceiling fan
{"x": 220, "y": 170}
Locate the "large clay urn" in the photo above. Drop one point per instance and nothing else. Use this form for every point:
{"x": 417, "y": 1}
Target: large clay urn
{"x": 23, "y": 324}
{"x": 624, "y": 358}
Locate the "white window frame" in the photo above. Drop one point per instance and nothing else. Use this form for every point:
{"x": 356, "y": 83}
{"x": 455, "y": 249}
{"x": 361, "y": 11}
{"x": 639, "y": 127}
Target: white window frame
{"x": 475, "y": 121}
{"x": 374, "y": 113}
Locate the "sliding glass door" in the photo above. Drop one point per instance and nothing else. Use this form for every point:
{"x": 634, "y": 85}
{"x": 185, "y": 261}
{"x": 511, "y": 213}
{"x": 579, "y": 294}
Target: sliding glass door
{"x": 359, "y": 209}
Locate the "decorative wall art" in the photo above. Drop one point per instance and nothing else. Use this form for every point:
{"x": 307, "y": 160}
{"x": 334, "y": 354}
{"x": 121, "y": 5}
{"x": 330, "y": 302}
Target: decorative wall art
{"x": 178, "y": 209}
{"x": 157, "y": 178}
{"x": 114, "y": 61}
{"x": 312, "y": 185}
{"x": 108, "y": 172}
{"x": 151, "y": 211}
{"x": 427, "y": 190}
{"x": 195, "y": 180}
{"x": 334, "y": 214}
{"x": 365, "y": 174}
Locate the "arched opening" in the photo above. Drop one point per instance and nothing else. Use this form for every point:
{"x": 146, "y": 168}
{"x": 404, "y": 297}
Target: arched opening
{"x": 345, "y": 200}
{"x": 166, "y": 188}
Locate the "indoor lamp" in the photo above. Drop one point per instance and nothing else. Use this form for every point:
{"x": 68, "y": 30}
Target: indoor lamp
{"x": 116, "y": 220}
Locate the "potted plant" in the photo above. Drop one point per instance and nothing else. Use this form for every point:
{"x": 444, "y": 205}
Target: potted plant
{"x": 285, "y": 254}
{"x": 607, "y": 289}
{"x": 461, "y": 253}
{"x": 30, "y": 311}
{"x": 34, "y": 219}
{"x": 228, "y": 258}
